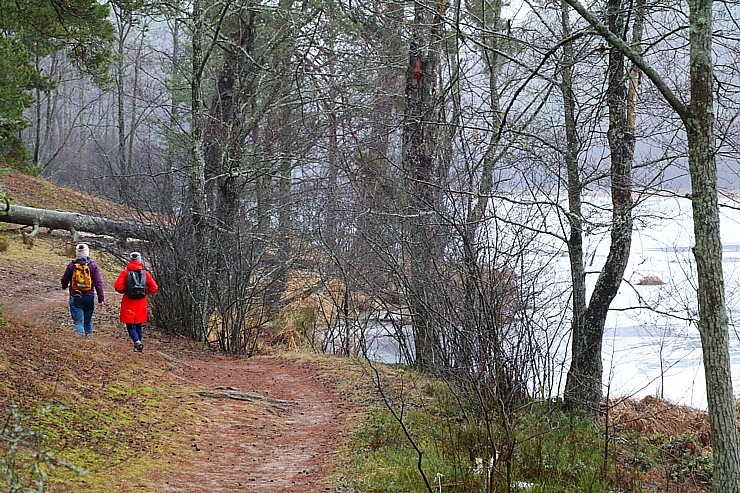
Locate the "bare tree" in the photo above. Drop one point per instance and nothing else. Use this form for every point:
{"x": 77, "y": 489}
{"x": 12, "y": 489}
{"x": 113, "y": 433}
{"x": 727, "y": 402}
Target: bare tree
{"x": 698, "y": 119}
{"x": 584, "y": 383}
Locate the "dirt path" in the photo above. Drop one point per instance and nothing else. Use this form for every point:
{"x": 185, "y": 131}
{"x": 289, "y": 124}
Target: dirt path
{"x": 267, "y": 424}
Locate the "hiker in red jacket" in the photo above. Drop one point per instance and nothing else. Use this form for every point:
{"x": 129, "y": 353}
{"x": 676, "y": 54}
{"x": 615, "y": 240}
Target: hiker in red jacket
{"x": 134, "y": 306}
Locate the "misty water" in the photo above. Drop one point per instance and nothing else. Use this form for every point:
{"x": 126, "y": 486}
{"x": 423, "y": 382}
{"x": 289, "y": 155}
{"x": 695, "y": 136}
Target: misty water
{"x": 645, "y": 352}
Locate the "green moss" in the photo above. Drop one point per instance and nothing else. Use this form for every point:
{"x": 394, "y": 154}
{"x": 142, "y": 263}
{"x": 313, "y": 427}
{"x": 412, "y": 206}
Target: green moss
{"x": 96, "y": 436}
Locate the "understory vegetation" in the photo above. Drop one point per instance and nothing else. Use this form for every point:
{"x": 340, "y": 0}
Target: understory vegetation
{"x": 78, "y": 419}
{"x": 479, "y": 191}
{"x": 426, "y": 438}
{"x": 417, "y": 437}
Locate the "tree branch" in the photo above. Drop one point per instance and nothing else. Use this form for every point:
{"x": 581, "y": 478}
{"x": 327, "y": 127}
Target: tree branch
{"x": 614, "y": 40}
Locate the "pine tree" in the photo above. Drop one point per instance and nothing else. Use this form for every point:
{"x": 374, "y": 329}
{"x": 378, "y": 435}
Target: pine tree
{"x": 32, "y": 30}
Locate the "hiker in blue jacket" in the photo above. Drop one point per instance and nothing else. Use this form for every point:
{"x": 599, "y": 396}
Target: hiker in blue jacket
{"x": 82, "y": 279}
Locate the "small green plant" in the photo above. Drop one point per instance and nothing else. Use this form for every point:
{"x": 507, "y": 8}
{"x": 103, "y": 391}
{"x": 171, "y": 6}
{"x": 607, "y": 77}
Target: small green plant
{"x": 4, "y": 244}
{"x": 24, "y": 464}
{"x": 686, "y": 459}
{"x": 425, "y": 440}
{"x": 560, "y": 452}
{"x": 418, "y": 442}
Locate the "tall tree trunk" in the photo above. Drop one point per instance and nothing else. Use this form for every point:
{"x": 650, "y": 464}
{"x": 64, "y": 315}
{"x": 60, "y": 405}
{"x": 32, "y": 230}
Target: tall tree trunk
{"x": 36, "y": 148}
{"x": 713, "y": 322}
{"x": 134, "y": 117}
{"x": 418, "y": 163}
{"x": 198, "y": 259}
{"x": 284, "y": 256}
{"x": 123, "y": 171}
{"x": 224, "y": 137}
{"x": 583, "y": 385}
{"x": 575, "y": 206}
{"x": 168, "y": 192}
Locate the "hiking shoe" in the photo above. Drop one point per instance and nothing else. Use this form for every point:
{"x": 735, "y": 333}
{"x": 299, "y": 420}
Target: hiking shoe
{"x": 138, "y": 346}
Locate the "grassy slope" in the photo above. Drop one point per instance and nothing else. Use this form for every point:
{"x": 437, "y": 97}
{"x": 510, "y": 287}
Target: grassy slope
{"x": 95, "y": 405}
{"x": 37, "y": 192}
{"x": 82, "y": 396}
{"x": 83, "y": 399}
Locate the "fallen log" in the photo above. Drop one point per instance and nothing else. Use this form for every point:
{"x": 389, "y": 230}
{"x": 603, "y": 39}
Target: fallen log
{"x": 72, "y": 221}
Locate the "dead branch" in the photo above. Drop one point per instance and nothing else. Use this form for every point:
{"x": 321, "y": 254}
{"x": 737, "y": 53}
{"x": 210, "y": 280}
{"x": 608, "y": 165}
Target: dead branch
{"x": 174, "y": 360}
{"x": 230, "y": 393}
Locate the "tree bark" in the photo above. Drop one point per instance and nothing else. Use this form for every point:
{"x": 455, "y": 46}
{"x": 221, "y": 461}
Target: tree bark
{"x": 419, "y": 147}
{"x": 200, "y": 306}
{"x": 226, "y": 130}
{"x": 31, "y": 216}
{"x": 575, "y": 203}
{"x": 584, "y": 382}
{"x": 713, "y": 321}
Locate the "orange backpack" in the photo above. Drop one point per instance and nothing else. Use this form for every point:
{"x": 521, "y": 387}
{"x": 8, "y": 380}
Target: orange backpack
{"x": 81, "y": 278}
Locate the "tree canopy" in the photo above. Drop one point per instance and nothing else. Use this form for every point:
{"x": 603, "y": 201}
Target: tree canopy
{"x": 32, "y": 29}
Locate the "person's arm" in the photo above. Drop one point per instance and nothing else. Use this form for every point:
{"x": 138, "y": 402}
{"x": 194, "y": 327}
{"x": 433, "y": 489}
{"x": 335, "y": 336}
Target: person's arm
{"x": 67, "y": 276}
{"x": 120, "y": 284}
{"x": 97, "y": 281}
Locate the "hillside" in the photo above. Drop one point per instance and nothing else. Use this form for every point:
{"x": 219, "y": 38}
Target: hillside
{"x": 175, "y": 417}
{"x": 181, "y": 418}
{"x": 37, "y": 192}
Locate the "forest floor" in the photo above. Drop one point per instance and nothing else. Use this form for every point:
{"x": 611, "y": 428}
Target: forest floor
{"x": 181, "y": 418}
{"x": 177, "y": 417}
{"x": 268, "y": 424}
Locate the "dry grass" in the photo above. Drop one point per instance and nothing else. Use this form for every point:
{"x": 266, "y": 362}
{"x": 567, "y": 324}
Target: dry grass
{"x": 651, "y": 280}
{"x": 651, "y": 415}
{"x": 34, "y": 191}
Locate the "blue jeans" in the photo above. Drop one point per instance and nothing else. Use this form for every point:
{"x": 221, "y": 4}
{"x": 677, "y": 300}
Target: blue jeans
{"x": 135, "y": 331}
{"x": 81, "y": 308}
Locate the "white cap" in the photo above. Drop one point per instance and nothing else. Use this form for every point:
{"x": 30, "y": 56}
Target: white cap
{"x": 83, "y": 250}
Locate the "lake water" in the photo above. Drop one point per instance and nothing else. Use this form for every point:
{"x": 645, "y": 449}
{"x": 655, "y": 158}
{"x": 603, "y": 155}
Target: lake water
{"x": 649, "y": 351}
